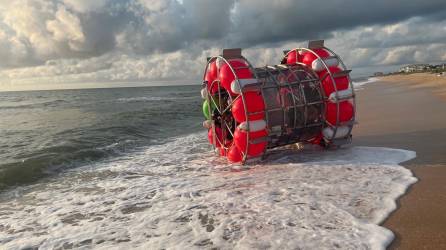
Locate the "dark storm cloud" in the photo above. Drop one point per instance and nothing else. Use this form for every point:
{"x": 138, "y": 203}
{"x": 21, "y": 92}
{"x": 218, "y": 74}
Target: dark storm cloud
{"x": 263, "y": 21}
{"x": 144, "y": 27}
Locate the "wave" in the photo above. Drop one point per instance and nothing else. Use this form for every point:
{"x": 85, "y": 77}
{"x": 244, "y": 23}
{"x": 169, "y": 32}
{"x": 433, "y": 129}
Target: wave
{"x": 53, "y": 160}
{"x": 52, "y": 103}
{"x": 359, "y": 83}
{"x": 153, "y": 99}
{"x": 179, "y": 194}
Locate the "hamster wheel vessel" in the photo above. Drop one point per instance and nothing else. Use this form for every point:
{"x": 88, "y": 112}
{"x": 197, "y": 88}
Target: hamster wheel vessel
{"x": 308, "y": 98}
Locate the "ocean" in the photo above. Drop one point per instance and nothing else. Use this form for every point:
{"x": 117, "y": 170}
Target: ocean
{"x": 131, "y": 168}
{"x": 46, "y": 132}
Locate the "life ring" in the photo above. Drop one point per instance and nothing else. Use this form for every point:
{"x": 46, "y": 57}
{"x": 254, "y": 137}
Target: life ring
{"x": 335, "y": 86}
{"x": 233, "y": 75}
{"x": 254, "y": 104}
{"x": 311, "y": 60}
{"x": 227, "y": 70}
{"x": 257, "y": 130}
{"x": 211, "y": 77}
{"x": 341, "y": 82}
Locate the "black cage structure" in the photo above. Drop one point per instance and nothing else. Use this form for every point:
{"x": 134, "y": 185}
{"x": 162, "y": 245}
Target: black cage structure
{"x": 307, "y": 98}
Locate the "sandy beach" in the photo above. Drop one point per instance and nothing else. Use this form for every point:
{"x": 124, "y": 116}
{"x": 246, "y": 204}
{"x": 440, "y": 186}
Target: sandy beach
{"x": 437, "y": 84}
{"x": 409, "y": 112}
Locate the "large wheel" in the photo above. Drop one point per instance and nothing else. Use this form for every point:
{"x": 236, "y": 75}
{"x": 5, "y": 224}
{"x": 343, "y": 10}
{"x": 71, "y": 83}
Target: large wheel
{"x": 226, "y": 103}
{"x": 339, "y": 96}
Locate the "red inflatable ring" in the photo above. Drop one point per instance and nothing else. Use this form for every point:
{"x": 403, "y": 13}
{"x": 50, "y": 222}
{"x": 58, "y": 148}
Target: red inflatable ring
{"x": 342, "y": 82}
{"x": 345, "y": 112}
{"x": 226, "y": 75}
{"x": 254, "y": 103}
{"x": 253, "y": 149}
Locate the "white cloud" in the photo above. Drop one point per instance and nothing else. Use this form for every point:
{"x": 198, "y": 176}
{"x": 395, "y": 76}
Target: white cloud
{"x": 66, "y": 27}
{"x": 24, "y": 21}
{"x": 85, "y": 5}
{"x": 151, "y": 40}
{"x": 176, "y": 66}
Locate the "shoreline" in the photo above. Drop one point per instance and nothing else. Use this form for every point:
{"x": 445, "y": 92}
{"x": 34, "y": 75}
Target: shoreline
{"x": 388, "y": 116}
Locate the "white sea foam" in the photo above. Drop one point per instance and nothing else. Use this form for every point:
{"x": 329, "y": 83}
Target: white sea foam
{"x": 178, "y": 196}
{"x": 360, "y": 84}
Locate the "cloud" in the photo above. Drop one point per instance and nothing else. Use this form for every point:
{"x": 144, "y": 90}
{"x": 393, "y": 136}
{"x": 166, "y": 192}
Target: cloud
{"x": 276, "y": 21}
{"x": 83, "y": 6}
{"x": 52, "y": 29}
{"x": 415, "y": 40}
{"x": 66, "y": 28}
{"x": 149, "y": 40}
{"x": 114, "y": 67}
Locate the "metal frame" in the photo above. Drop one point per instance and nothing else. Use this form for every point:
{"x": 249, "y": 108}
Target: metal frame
{"x": 292, "y": 70}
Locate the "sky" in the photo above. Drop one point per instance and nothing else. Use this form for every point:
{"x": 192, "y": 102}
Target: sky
{"x": 51, "y": 44}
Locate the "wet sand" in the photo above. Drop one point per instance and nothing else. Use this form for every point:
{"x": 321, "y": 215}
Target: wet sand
{"x": 405, "y": 112}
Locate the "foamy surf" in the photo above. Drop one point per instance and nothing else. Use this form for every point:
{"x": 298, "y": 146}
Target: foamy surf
{"x": 178, "y": 196}
{"x": 359, "y": 85}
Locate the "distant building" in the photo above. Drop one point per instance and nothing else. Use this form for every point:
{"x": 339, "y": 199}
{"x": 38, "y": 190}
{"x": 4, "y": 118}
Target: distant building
{"x": 415, "y": 68}
{"x": 422, "y": 67}
{"x": 439, "y": 67}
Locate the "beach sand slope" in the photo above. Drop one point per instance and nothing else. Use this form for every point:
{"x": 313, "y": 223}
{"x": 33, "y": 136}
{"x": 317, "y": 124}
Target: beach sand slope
{"x": 409, "y": 112}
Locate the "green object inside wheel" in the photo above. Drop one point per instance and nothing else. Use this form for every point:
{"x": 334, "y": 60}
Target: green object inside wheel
{"x": 206, "y": 110}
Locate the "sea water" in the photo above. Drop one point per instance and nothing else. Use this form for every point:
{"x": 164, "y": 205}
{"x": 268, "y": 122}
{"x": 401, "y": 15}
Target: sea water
{"x": 43, "y": 133}
{"x": 131, "y": 168}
